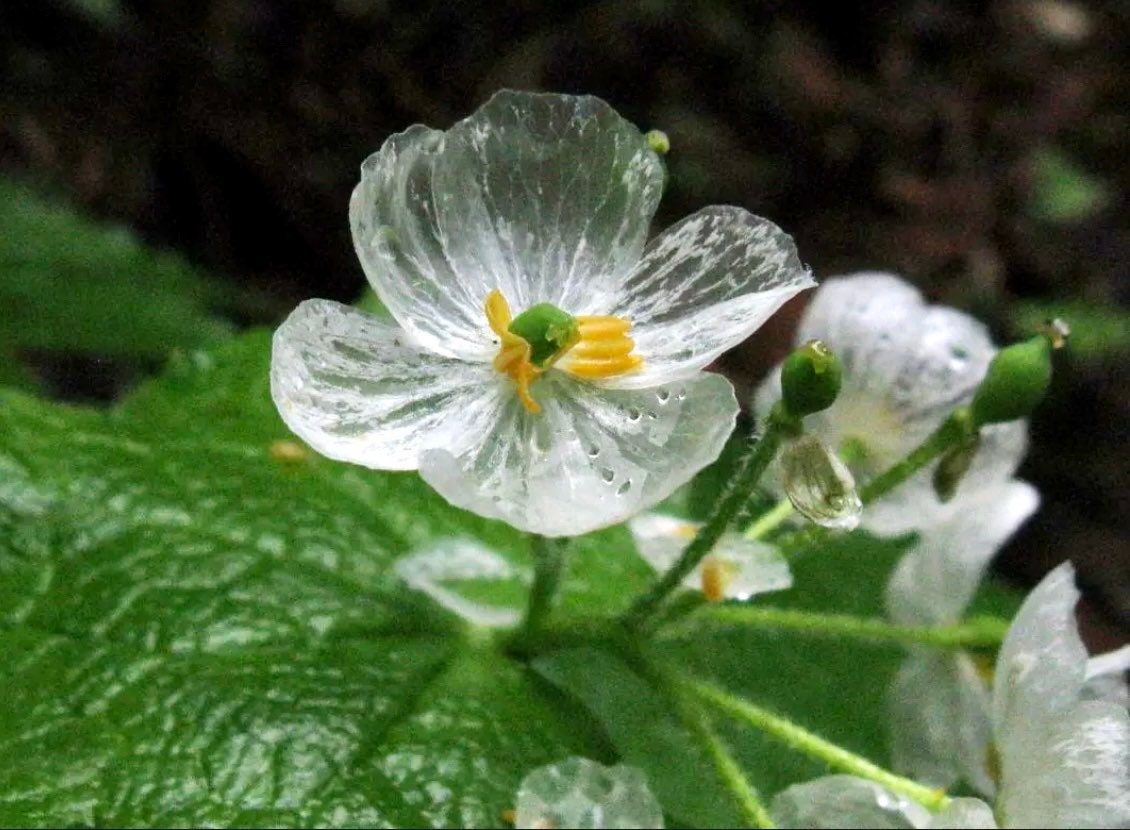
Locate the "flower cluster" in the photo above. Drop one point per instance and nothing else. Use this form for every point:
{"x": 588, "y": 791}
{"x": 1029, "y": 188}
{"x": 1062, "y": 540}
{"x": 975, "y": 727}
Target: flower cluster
{"x": 543, "y": 363}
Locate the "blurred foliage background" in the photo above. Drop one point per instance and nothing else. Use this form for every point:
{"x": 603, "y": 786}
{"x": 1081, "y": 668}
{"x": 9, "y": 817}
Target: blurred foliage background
{"x": 172, "y": 171}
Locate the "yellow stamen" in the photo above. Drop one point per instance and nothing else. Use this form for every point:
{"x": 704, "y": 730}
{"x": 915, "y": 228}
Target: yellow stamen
{"x": 603, "y": 349}
{"x": 717, "y": 574}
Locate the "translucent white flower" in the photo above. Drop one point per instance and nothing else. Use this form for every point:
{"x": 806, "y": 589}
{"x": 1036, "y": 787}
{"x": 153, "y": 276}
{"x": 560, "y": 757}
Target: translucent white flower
{"x": 510, "y": 250}
{"x": 581, "y": 793}
{"x": 737, "y": 568}
{"x": 469, "y": 580}
{"x": 1063, "y": 756}
{"x": 906, "y": 366}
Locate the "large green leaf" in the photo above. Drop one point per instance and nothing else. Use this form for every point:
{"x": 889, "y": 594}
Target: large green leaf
{"x": 201, "y": 624}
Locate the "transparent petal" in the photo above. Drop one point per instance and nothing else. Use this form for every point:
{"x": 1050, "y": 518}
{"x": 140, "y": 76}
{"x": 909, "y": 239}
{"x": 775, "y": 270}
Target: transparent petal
{"x": 847, "y": 802}
{"x": 593, "y": 457}
{"x": 1042, "y": 663}
{"x": 355, "y": 388}
{"x": 752, "y": 567}
{"x": 581, "y": 793}
{"x": 1106, "y": 677}
{"x": 937, "y": 577}
{"x": 1076, "y": 775}
{"x": 468, "y": 579}
{"x": 702, "y": 287}
{"x": 545, "y": 197}
{"x": 964, "y": 814}
{"x": 940, "y": 728}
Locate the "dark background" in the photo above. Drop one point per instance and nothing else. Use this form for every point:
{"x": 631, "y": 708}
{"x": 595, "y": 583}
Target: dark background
{"x": 979, "y": 149}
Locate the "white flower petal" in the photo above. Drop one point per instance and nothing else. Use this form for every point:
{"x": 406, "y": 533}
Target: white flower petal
{"x": 1042, "y": 663}
{"x": 703, "y": 286}
{"x": 593, "y": 457}
{"x": 936, "y": 579}
{"x": 1106, "y": 677}
{"x": 847, "y": 802}
{"x": 964, "y": 814}
{"x": 754, "y": 567}
{"x": 545, "y": 197}
{"x": 581, "y": 793}
{"x": 355, "y": 389}
{"x": 454, "y": 572}
{"x": 1076, "y": 776}
{"x": 940, "y": 729}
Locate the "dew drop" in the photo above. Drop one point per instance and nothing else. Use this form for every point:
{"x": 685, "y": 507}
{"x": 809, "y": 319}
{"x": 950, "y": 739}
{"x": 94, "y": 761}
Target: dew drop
{"x": 594, "y": 451}
{"x": 633, "y": 414}
{"x": 663, "y": 395}
{"x": 607, "y": 474}
{"x": 681, "y": 394}
{"x": 624, "y": 488}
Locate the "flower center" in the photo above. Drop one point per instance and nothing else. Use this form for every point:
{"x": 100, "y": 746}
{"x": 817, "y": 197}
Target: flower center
{"x": 543, "y": 334}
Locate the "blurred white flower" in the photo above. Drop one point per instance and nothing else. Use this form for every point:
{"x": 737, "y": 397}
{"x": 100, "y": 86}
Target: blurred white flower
{"x": 737, "y": 568}
{"x": 1062, "y": 756}
{"x": 581, "y": 793}
{"x": 551, "y": 417}
{"x": 906, "y": 365}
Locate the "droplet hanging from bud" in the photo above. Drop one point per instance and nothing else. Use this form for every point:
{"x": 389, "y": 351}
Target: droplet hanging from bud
{"x": 819, "y": 484}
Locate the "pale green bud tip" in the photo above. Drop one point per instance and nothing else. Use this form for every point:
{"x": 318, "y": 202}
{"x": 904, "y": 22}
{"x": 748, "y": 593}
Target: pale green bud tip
{"x": 548, "y": 330}
{"x": 810, "y": 379}
{"x": 819, "y": 484}
{"x": 1016, "y": 380}
{"x": 657, "y": 140}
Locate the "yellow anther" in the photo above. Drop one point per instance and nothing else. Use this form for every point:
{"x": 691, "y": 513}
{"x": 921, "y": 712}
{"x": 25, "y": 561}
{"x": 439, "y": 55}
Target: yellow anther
{"x": 602, "y": 349}
{"x": 717, "y": 574}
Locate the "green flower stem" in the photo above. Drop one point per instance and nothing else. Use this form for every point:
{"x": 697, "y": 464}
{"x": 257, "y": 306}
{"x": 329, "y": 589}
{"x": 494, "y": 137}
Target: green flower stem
{"x": 549, "y": 562}
{"x": 980, "y": 632}
{"x": 769, "y": 521}
{"x": 734, "y": 500}
{"x": 801, "y": 740}
{"x": 954, "y": 430}
{"x": 753, "y": 809}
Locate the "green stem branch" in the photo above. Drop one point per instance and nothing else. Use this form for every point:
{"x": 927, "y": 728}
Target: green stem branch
{"x": 549, "y": 561}
{"x": 728, "y": 508}
{"x": 770, "y": 520}
{"x": 954, "y": 429}
{"x": 982, "y": 632}
{"x": 801, "y": 740}
{"x": 749, "y": 802}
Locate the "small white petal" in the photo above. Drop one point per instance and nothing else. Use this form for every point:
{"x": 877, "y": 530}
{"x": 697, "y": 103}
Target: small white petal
{"x": 752, "y": 567}
{"x": 1078, "y": 775}
{"x": 1106, "y": 677}
{"x": 702, "y": 287}
{"x": 356, "y": 389}
{"x": 846, "y": 802}
{"x": 545, "y": 197}
{"x": 936, "y": 579}
{"x": 964, "y": 814}
{"x": 593, "y": 457}
{"x": 581, "y": 793}
{"x": 940, "y": 729}
{"x": 451, "y": 570}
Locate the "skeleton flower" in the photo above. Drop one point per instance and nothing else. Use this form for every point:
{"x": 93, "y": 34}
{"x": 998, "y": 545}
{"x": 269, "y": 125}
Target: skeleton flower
{"x": 906, "y": 366}
{"x": 542, "y": 365}
{"x": 1062, "y": 750}
{"x": 737, "y": 568}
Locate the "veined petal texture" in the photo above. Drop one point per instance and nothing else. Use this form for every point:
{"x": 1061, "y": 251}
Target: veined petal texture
{"x": 847, "y": 802}
{"x": 547, "y": 198}
{"x": 593, "y": 457}
{"x": 703, "y": 286}
{"x": 356, "y": 389}
{"x": 586, "y": 795}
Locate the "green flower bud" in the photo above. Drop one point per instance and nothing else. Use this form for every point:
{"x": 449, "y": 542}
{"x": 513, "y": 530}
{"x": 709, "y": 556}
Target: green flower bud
{"x": 820, "y": 485}
{"x": 549, "y": 331}
{"x": 1015, "y": 382}
{"x": 810, "y": 379}
{"x": 954, "y": 465}
{"x": 657, "y": 140}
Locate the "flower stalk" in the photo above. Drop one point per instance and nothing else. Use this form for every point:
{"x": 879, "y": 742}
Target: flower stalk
{"x": 801, "y": 740}
{"x": 732, "y": 504}
{"x": 549, "y": 564}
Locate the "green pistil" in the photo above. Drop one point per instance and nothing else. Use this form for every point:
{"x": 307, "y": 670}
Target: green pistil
{"x": 549, "y": 331}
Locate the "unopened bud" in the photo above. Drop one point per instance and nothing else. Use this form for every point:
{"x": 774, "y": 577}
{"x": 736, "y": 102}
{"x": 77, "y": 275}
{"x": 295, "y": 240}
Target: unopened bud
{"x": 658, "y": 141}
{"x": 954, "y": 465}
{"x": 810, "y": 379}
{"x": 819, "y": 484}
{"x": 1017, "y": 378}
